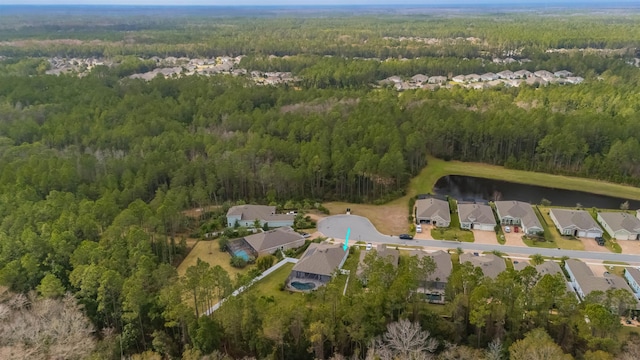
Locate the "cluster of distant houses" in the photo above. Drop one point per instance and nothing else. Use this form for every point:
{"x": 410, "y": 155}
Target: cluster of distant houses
{"x": 321, "y": 261}
{"x": 486, "y": 80}
{"x": 60, "y": 65}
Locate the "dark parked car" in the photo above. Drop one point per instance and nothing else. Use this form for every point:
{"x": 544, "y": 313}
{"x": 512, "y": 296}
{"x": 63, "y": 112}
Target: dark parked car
{"x": 600, "y": 240}
{"x": 405, "y": 236}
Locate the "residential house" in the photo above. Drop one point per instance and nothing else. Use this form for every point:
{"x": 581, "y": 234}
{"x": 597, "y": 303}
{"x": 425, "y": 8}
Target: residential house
{"x": 620, "y": 225}
{"x": 575, "y": 223}
{"x": 519, "y": 213}
{"x": 476, "y": 216}
{"x": 584, "y": 281}
{"x": 574, "y": 80}
{"x": 460, "y": 79}
{"x": 488, "y": 76}
{"x": 522, "y": 74}
{"x": 562, "y": 74}
{"x": 437, "y": 80}
{"x": 434, "y": 285}
{"x": 544, "y": 74}
{"x": 418, "y": 79}
{"x": 432, "y": 211}
{"x": 491, "y": 264}
{"x": 391, "y": 80}
{"x": 520, "y": 265}
{"x": 317, "y": 265}
{"x": 392, "y": 256}
{"x": 472, "y": 78}
{"x": 536, "y": 81}
{"x": 633, "y": 278}
{"x": 268, "y": 242}
{"x": 506, "y": 74}
{"x": 246, "y": 215}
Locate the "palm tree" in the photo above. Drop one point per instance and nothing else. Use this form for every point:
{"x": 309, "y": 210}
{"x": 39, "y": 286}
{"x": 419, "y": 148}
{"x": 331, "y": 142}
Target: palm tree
{"x": 537, "y": 259}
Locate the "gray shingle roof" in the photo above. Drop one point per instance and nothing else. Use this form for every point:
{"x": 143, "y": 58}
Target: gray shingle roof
{"x": 621, "y": 221}
{"x": 520, "y": 210}
{"x": 491, "y": 264}
{"x": 588, "y": 282}
{"x": 579, "y": 219}
{"x": 442, "y": 259}
{"x": 476, "y": 213}
{"x": 428, "y": 208}
{"x": 321, "y": 259}
{"x": 392, "y": 255}
{"x": 260, "y": 212}
{"x": 273, "y": 238}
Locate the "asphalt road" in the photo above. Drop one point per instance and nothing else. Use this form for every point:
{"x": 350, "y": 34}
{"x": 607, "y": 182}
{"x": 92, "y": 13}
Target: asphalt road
{"x": 363, "y": 230}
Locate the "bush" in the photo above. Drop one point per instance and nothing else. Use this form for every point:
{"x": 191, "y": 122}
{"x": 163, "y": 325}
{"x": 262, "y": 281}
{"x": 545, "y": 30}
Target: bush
{"x": 238, "y": 262}
{"x": 323, "y": 209}
{"x": 265, "y": 262}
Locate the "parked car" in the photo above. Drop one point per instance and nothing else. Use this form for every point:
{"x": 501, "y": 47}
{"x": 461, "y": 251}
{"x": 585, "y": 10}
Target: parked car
{"x": 405, "y": 237}
{"x": 507, "y": 229}
{"x": 305, "y": 235}
{"x": 369, "y": 246}
{"x": 418, "y": 228}
{"x": 600, "y": 240}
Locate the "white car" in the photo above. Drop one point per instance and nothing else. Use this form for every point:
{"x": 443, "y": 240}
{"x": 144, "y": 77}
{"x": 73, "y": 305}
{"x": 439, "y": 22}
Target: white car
{"x": 507, "y": 229}
{"x": 418, "y": 228}
{"x": 369, "y": 246}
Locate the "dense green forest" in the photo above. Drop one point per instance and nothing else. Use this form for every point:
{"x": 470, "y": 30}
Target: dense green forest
{"x": 96, "y": 170}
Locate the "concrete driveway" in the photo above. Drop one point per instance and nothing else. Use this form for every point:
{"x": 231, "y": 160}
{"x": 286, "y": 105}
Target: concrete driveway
{"x": 629, "y": 246}
{"x": 484, "y": 237}
{"x": 592, "y": 245}
{"x": 514, "y": 238}
{"x": 425, "y": 234}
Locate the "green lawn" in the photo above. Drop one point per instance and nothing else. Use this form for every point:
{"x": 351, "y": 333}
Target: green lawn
{"x": 452, "y": 233}
{"x": 618, "y": 270}
{"x": 437, "y": 168}
{"x": 270, "y": 287}
{"x": 550, "y": 232}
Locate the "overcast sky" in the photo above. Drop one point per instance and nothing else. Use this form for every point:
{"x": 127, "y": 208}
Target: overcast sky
{"x": 292, "y": 2}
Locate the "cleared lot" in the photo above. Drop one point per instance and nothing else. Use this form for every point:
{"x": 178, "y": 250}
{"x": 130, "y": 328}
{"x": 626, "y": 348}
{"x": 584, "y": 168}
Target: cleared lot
{"x": 485, "y": 237}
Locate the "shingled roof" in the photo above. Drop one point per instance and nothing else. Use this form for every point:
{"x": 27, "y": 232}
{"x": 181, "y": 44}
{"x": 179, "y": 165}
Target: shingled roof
{"x": 321, "y": 259}
{"x": 273, "y": 238}
{"x": 518, "y": 210}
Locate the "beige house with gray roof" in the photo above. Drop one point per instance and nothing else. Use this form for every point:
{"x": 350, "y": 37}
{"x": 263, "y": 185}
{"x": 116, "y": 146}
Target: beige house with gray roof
{"x": 620, "y": 225}
{"x": 575, "y": 223}
{"x": 490, "y": 264}
{"x": 268, "y": 242}
{"x": 246, "y": 215}
{"x": 432, "y": 211}
{"x": 476, "y": 216}
{"x": 519, "y": 213}
{"x": 585, "y": 282}
{"x": 317, "y": 265}
{"x": 433, "y": 287}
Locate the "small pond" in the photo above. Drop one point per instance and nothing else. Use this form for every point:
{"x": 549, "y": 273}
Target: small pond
{"x": 479, "y": 189}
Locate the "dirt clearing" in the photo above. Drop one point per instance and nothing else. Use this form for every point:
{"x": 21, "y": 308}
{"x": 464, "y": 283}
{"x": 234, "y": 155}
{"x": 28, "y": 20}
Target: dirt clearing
{"x": 389, "y": 219}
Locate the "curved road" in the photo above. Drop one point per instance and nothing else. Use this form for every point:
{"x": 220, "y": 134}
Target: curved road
{"x": 363, "y": 230}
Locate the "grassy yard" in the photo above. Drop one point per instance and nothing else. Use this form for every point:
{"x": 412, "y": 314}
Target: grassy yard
{"x": 618, "y": 270}
{"x": 209, "y": 251}
{"x": 551, "y": 233}
{"x": 436, "y": 168}
{"x": 452, "y": 233}
{"x": 269, "y": 287}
